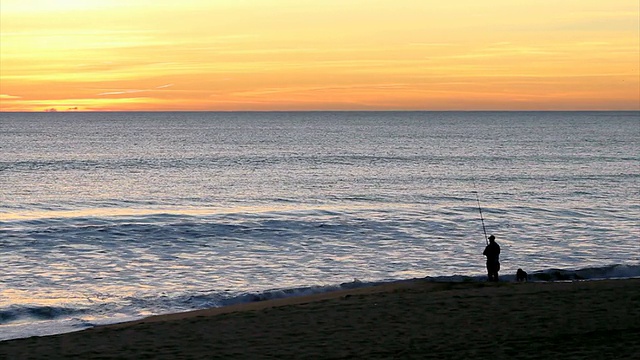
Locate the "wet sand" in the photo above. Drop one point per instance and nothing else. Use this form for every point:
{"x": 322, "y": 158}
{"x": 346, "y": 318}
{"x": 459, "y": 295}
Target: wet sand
{"x": 405, "y": 320}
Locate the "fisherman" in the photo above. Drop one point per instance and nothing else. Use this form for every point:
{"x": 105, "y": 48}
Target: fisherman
{"x": 492, "y": 252}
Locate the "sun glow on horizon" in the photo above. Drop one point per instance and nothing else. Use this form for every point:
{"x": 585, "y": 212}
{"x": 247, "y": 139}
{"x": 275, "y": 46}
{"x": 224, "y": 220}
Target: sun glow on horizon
{"x": 130, "y": 55}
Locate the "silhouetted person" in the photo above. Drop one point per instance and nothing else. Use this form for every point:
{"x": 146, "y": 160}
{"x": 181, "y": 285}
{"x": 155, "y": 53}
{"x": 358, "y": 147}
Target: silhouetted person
{"x": 492, "y": 252}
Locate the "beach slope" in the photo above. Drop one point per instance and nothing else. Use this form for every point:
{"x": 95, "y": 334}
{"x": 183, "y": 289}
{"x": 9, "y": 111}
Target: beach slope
{"x": 405, "y": 320}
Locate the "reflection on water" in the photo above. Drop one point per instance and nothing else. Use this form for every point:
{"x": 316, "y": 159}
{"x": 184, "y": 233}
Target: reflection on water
{"x": 117, "y": 215}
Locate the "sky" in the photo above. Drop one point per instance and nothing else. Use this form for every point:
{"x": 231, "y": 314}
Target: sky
{"x": 241, "y": 55}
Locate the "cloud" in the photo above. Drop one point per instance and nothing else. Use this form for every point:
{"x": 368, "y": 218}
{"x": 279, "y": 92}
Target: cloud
{"x": 9, "y": 97}
{"x": 133, "y": 91}
{"x": 120, "y": 92}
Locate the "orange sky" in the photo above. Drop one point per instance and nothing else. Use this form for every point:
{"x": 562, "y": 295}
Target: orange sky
{"x": 97, "y": 55}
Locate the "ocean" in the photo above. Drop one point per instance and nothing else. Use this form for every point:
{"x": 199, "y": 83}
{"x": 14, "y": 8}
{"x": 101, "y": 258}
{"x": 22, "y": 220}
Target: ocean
{"x": 108, "y": 217}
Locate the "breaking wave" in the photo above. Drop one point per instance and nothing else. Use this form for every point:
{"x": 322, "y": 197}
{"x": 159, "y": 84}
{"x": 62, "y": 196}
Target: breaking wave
{"x": 86, "y": 316}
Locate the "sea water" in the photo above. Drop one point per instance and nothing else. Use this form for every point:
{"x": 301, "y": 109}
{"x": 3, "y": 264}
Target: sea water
{"x": 107, "y": 217}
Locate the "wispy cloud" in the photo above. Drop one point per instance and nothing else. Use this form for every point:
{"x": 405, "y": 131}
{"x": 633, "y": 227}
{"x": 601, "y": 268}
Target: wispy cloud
{"x": 133, "y": 91}
{"x": 9, "y": 97}
{"x": 121, "y": 92}
{"x": 315, "y": 89}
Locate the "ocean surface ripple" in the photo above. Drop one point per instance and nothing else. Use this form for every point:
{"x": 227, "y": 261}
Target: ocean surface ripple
{"x": 107, "y": 217}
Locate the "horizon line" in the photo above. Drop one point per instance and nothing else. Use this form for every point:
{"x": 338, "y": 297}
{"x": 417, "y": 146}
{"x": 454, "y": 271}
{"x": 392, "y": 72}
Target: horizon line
{"x": 48, "y": 111}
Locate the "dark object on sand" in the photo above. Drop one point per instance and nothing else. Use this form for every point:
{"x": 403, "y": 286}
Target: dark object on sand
{"x": 521, "y": 276}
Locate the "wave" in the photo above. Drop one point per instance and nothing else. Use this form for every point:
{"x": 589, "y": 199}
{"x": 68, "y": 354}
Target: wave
{"x": 186, "y": 302}
{"x": 35, "y": 312}
{"x": 599, "y": 273}
{"x": 618, "y": 271}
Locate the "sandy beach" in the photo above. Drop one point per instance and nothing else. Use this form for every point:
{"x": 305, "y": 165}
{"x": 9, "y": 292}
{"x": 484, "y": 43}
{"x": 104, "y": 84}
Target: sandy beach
{"x": 404, "y": 320}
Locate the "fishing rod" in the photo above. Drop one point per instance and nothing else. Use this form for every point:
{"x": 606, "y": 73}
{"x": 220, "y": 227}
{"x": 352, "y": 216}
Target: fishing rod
{"x": 486, "y": 239}
{"x": 482, "y": 219}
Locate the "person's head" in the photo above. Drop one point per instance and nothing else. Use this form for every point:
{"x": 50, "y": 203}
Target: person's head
{"x": 492, "y": 238}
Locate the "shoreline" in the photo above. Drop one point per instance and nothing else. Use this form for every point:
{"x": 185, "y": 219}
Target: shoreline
{"x": 258, "y": 305}
{"x": 404, "y": 319}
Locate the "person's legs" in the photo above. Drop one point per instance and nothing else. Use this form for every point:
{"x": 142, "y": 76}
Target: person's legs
{"x": 492, "y": 272}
